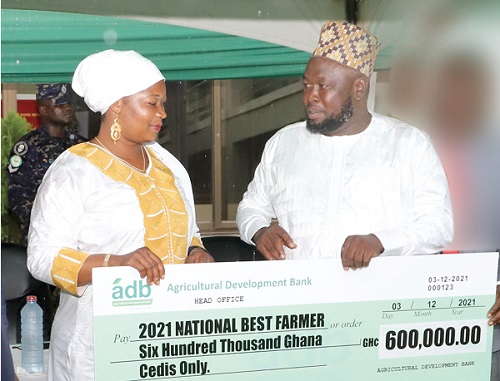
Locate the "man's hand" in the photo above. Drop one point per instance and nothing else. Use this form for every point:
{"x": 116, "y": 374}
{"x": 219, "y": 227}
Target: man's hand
{"x": 494, "y": 312}
{"x": 358, "y": 250}
{"x": 269, "y": 241}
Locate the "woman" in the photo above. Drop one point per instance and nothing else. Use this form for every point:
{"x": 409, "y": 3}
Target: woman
{"x": 118, "y": 200}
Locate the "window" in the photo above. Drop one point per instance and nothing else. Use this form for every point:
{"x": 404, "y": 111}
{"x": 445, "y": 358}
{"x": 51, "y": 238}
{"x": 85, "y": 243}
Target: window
{"x": 218, "y": 130}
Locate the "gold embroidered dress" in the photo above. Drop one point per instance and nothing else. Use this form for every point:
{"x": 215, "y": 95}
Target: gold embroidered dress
{"x": 90, "y": 202}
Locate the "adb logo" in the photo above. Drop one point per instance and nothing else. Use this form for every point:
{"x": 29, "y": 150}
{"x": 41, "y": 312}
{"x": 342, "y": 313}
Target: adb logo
{"x": 132, "y": 294}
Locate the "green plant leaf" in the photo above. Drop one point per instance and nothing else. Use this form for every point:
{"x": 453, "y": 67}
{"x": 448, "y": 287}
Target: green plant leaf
{"x": 14, "y": 127}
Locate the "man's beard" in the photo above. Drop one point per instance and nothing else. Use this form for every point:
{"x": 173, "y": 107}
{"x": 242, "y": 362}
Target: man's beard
{"x": 332, "y": 123}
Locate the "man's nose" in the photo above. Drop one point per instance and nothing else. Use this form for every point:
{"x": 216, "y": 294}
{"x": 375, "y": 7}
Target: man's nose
{"x": 311, "y": 95}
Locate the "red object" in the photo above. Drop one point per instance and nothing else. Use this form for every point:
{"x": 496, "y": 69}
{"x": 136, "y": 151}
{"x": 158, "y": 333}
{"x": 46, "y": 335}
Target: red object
{"x": 27, "y": 108}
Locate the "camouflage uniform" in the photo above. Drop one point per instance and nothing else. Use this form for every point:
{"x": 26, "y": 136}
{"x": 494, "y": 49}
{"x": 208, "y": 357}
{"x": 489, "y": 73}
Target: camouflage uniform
{"x": 29, "y": 160}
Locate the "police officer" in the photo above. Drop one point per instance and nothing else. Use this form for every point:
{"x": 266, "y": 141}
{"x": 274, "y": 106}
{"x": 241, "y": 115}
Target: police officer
{"x": 32, "y": 155}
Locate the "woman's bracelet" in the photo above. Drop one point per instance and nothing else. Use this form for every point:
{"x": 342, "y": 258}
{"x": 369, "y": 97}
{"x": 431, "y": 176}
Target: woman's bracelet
{"x": 106, "y": 260}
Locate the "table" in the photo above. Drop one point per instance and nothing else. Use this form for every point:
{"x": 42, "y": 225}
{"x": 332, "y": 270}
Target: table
{"x": 16, "y": 358}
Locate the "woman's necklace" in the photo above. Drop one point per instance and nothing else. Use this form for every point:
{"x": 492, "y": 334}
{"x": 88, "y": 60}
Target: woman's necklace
{"x": 124, "y": 161}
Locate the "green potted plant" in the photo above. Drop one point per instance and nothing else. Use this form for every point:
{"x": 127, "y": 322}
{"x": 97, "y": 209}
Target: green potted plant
{"x": 14, "y": 126}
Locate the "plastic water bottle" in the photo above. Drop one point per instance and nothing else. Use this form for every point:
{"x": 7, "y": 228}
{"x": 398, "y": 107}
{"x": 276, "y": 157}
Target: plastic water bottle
{"x": 32, "y": 336}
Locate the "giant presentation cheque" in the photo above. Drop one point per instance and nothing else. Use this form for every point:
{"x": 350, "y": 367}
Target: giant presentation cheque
{"x": 402, "y": 318}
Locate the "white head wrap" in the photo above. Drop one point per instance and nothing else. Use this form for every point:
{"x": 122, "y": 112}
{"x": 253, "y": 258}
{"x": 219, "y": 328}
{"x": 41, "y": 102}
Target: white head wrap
{"x": 105, "y": 77}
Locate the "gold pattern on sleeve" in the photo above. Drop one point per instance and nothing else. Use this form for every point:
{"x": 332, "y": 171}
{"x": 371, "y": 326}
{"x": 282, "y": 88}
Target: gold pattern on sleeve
{"x": 65, "y": 269}
{"x": 196, "y": 242}
{"x": 165, "y": 215}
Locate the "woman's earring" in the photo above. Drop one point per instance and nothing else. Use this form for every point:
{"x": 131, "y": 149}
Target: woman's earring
{"x": 116, "y": 131}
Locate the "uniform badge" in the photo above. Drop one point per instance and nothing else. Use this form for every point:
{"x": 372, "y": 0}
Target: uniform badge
{"x": 21, "y": 148}
{"x": 14, "y": 163}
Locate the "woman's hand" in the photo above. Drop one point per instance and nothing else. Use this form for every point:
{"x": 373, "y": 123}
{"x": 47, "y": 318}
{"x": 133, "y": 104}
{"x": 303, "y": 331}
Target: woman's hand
{"x": 145, "y": 261}
{"x": 198, "y": 255}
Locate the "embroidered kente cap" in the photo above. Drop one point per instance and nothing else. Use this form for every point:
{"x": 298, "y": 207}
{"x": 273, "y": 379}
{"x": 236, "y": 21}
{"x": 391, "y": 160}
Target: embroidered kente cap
{"x": 57, "y": 92}
{"x": 348, "y": 45}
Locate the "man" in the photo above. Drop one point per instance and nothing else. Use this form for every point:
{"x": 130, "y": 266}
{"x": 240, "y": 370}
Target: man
{"x": 32, "y": 155}
{"x": 346, "y": 183}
